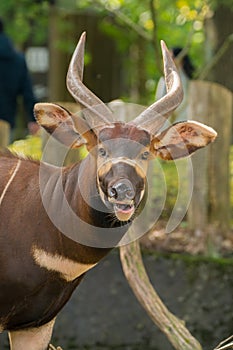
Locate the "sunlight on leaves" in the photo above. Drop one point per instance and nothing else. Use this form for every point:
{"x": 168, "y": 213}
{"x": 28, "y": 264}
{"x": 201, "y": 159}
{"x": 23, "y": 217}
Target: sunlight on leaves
{"x": 146, "y": 21}
{"x": 29, "y": 147}
{"x": 112, "y": 4}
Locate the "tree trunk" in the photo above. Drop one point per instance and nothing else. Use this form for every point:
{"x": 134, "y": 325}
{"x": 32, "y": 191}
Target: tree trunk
{"x": 218, "y": 28}
{"x": 104, "y": 63}
{"x": 211, "y": 104}
{"x": 169, "y": 324}
{"x": 59, "y": 59}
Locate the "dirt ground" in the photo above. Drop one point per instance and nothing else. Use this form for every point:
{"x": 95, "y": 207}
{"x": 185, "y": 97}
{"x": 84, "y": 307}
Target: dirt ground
{"x": 182, "y": 240}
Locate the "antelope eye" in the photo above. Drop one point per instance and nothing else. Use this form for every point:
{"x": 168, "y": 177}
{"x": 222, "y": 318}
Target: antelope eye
{"x": 145, "y": 155}
{"x": 102, "y": 152}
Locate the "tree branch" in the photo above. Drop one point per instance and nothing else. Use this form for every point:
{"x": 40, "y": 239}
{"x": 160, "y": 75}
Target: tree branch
{"x": 125, "y": 19}
{"x": 169, "y": 324}
{"x": 210, "y": 65}
{"x": 223, "y": 345}
{"x": 51, "y": 347}
{"x": 155, "y": 40}
{"x": 131, "y": 24}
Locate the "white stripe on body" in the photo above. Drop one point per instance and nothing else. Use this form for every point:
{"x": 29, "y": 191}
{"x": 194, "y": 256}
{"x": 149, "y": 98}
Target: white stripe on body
{"x": 10, "y": 180}
{"x": 68, "y": 268}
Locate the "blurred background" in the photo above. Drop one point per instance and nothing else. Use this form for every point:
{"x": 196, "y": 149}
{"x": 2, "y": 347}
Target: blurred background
{"x": 123, "y": 58}
{"x": 123, "y": 61}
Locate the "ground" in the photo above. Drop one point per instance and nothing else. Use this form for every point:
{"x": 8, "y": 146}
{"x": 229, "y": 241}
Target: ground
{"x": 184, "y": 240}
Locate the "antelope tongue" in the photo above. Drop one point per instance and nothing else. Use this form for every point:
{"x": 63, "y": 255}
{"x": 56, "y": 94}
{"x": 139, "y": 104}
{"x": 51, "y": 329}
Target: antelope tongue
{"x": 123, "y": 211}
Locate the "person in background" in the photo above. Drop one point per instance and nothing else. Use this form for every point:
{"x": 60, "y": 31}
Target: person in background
{"x": 14, "y": 82}
{"x": 186, "y": 71}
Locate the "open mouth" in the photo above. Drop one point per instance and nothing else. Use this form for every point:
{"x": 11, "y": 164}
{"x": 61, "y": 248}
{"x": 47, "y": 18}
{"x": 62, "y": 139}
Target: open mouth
{"x": 123, "y": 211}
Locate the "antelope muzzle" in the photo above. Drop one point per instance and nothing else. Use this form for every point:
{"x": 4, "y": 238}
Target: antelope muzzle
{"x": 122, "y": 188}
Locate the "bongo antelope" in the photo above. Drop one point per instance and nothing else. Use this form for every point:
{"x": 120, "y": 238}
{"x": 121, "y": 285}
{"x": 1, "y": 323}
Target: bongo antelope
{"x": 41, "y": 263}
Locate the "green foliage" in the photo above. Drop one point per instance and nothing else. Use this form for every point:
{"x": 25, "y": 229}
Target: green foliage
{"x": 29, "y": 147}
{"x": 25, "y": 20}
{"x": 195, "y": 262}
{"x": 172, "y": 182}
{"x": 179, "y": 23}
{"x": 215, "y": 3}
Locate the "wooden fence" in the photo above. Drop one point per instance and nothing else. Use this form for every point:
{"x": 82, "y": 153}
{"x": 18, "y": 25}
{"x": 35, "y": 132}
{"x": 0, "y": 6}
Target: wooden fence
{"x": 4, "y": 134}
{"x": 211, "y": 104}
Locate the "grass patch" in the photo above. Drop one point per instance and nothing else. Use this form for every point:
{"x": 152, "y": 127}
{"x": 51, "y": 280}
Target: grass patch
{"x": 29, "y": 147}
{"x": 193, "y": 260}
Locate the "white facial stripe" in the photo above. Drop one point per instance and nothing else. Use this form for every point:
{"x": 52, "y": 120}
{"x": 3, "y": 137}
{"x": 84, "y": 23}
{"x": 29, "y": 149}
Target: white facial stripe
{"x": 140, "y": 169}
{"x": 142, "y": 194}
{"x": 68, "y": 268}
{"x": 10, "y": 180}
{"x": 102, "y": 195}
{"x": 128, "y": 161}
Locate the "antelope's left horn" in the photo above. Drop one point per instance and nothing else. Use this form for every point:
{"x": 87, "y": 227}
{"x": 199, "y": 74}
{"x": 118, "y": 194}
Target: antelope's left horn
{"x": 95, "y": 111}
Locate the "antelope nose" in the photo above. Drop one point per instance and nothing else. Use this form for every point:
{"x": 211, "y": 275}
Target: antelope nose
{"x": 122, "y": 190}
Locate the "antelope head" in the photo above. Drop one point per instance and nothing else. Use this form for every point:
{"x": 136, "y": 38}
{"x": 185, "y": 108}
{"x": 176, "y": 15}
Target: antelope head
{"x": 121, "y": 151}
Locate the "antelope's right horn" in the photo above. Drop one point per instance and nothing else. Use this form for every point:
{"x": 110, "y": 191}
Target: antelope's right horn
{"x": 154, "y": 117}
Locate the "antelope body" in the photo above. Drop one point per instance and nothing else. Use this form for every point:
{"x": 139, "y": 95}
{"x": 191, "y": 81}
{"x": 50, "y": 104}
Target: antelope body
{"x": 44, "y": 254}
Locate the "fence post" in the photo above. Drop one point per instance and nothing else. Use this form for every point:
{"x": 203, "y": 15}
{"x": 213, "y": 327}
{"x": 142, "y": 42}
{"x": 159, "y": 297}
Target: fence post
{"x": 211, "y": 104}
{"x": 4, "y": 134}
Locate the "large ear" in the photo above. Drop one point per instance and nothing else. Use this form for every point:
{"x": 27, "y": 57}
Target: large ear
{"x": 182, "y": 139}
{"x": 69, "y": 129}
